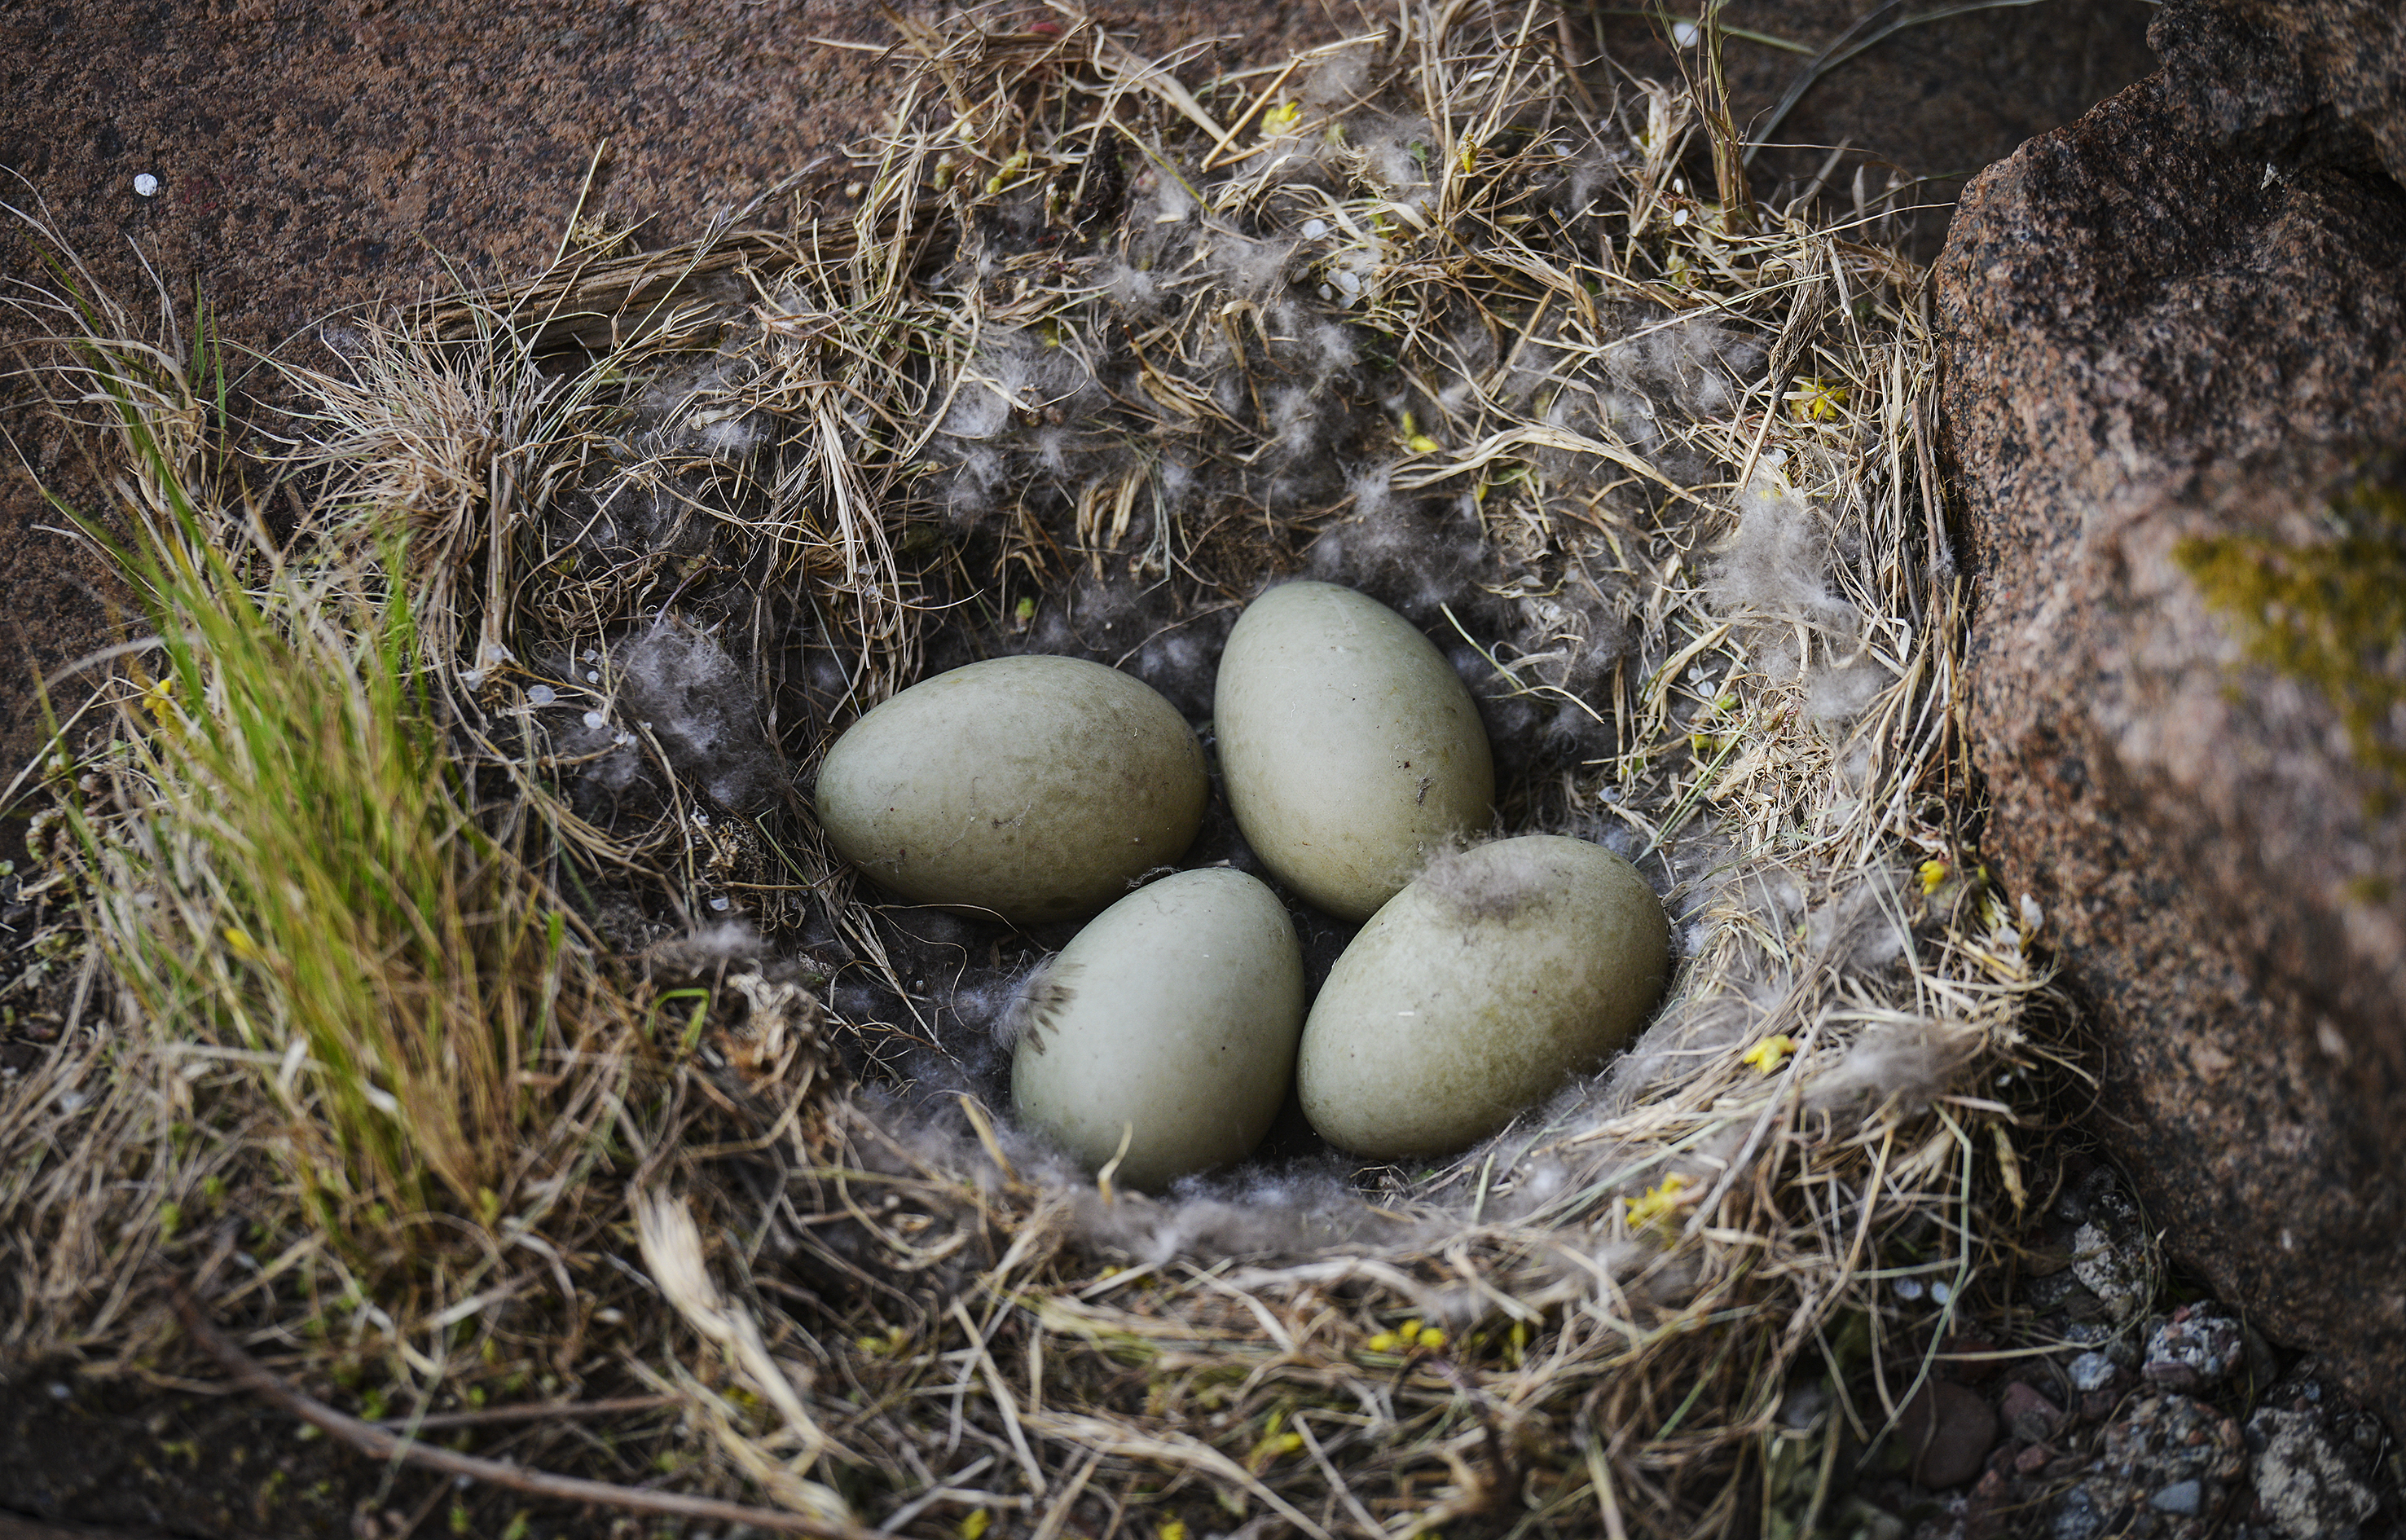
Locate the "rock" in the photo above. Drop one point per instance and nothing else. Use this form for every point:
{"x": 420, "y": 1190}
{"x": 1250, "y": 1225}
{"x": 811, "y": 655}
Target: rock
{"x": 2076, "y": 1516}
{"x": 1949, "y": 1431}
{"x": 2165, "y": 1470}
{"x": 2029, "y": 1415}
{"x": 2091, "y": 1372}
{"x": 2317, "y": 1459}
{"x": 2170, "y": 332}
{"x": 2194, "y": 1350}
{"x": 2310, "y": 1485}
{"x": 2115, "y": 1273}
{"x": 2244, "y": 64}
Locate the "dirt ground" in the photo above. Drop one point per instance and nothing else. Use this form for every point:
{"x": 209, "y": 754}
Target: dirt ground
{"x": 316, "y": 158}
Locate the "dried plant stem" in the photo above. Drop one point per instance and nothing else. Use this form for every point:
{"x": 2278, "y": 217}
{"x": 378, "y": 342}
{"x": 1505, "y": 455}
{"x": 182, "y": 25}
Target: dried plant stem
{"x": 381, "y": 1444}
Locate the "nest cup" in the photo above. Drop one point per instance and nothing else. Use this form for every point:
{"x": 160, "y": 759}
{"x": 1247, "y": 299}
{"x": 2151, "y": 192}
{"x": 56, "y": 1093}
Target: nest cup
{"x": 1102, "y": 349}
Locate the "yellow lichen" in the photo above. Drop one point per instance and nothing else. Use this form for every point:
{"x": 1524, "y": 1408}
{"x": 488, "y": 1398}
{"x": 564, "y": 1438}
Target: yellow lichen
{"x": 2332, "y": 613}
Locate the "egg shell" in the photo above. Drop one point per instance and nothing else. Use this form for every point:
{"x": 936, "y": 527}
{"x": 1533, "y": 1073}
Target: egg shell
{"x": 1171, "y": 1019}
{"x": 1349, "y": 749}
{"x": 1030, "y": 788}
{"x": 1477, "y": 991}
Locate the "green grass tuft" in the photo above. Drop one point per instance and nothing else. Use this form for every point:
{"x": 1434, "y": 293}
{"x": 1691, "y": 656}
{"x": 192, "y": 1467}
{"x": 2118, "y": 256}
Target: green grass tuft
{"x": 287, "y": 866}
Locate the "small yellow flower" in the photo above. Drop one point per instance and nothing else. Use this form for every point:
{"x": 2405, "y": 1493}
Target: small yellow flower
{"x": 1279, "y": 119}
{"x": 1174, "y": 1530}
{"x": 1658, "y": 1207}
{"x": 1420, "y": 444}
{"x": 1384, "y": 1342}
{"x": 1770, "y": 1053}
{"x": 975, "y": 1522}
{"x": 159, "y": 700}
{"x": 1273, "y": 1444}
{"x": 1817, "y": 400}
{"x": 1431, "y": 1337}
{"x": 244, "y": 947}
{"x": 1932, "y": 874}
{"x": 891, "y": 1345}
{"x": 1468, "y": 159}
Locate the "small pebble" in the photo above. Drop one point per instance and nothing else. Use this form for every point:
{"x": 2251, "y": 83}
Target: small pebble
{"x": 2078, "y": 1518}
{"x": 59, "y": 1390}
{"x": 146, "y": 186}
{"x": 1327, "y": 292}
{"x": 595, "y": 719}
{"x": 1908, "y": 1288}
{"x": 593, "y": 676}
{"x": 1942, "y": 1292}
{"x": 2181, "y": 1497}
{"x": 1347, "y": 280}
{"x": 2029, "y": 1413}
{"x": 2091, "y": 1372}
{"x": 1949, "y": 1431}
{"x": 1315, "y": 229}
{"x": 2033, "y": 1460}
{"x": 542, "y": 695}
{"x": 2195, "y": 1349}
{"x": 2115, "y": 1272}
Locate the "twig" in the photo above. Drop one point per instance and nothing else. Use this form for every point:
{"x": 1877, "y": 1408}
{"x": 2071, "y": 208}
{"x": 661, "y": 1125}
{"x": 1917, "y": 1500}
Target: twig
{"x": 526, "y": 1414}
{"x": 380, "y": 1444}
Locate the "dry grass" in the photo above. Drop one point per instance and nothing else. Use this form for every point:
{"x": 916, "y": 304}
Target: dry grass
{"x": 1091, "y": 332}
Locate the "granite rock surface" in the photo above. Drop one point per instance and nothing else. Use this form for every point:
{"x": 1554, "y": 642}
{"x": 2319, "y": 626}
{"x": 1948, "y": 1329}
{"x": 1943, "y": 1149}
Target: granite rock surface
{"x": 2174, "y": 354}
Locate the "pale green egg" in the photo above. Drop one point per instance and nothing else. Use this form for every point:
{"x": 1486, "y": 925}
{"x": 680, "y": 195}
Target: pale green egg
{"x": 1030, "y": 789}
{"x": 1168, "y": 1022}
{"x": 1350, "y": 751}
{"x": 1477, "y": 991}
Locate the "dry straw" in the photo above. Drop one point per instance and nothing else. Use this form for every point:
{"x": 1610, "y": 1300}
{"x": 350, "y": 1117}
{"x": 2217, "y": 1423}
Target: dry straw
{"x": 1420, "y": 309}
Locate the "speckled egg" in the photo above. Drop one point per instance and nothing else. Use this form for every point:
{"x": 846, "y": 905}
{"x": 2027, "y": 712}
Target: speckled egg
{"x": 1169, "y": 1021}
{"x": 1350, "y": 748}
{"x": 1479, "y": 990}
{"x": 1028, "y": 788}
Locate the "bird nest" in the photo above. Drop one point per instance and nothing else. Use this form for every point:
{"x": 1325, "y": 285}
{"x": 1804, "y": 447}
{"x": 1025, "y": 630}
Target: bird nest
{"x": 474, "y": 1019}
